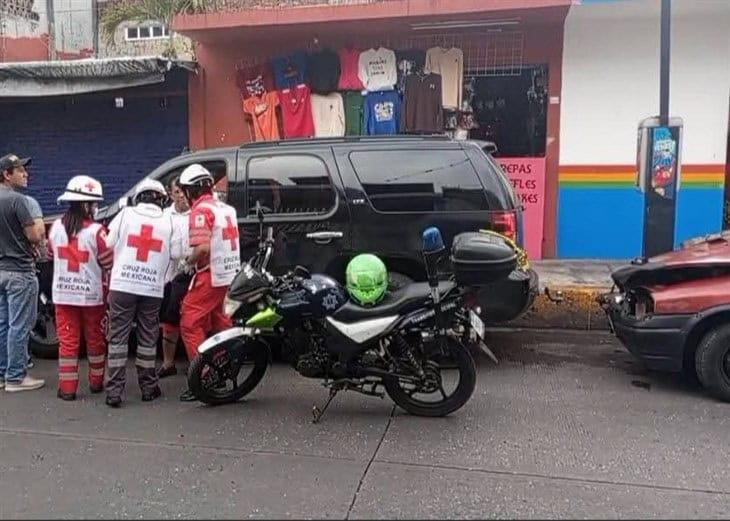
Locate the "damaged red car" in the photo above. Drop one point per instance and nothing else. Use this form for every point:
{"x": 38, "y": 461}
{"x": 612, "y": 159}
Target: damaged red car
{"x": 673, "y": 311}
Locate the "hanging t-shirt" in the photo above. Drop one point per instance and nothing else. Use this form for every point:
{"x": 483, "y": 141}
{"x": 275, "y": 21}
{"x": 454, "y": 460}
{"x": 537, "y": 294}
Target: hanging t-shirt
{"x": 449, "y": 63}
{"x": 349, "y": 68}
{"x": 323, "y": 71}
{"x": 353, "y": 102}
{"x": 296, "y": 112}
{"x": 422, "y": 109}
{"x": 262, "y": 110}
{"x": 255, "y": 80}
{"x": 382, "y": 112}
{"x": 328, "y": 114}
{"x": 290, "y": 70}
{"x": 409, "y": 62}
{"x": 377, "y": 69}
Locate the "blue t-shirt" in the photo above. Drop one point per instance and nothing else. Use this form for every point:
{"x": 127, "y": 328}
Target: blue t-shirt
{"x": 381, "y": 112}
{"x": 289, "y": 71}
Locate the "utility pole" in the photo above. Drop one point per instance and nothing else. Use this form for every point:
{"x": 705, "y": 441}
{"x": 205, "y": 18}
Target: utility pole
{"x": 665, "y": 42}
{"x": 95, "y": 27}
{"x": 662, "y": 158}
{"x": 51, "y": 17}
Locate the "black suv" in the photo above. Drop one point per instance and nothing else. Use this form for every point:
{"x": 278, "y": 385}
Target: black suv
{"x": 329, "y": 199}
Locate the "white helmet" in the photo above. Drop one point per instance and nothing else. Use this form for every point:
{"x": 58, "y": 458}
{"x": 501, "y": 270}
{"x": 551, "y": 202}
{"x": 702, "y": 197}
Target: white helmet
{"x": 150, "y": 185}
{"x": 195, "y": 174}
{"x": 82, "y": 188}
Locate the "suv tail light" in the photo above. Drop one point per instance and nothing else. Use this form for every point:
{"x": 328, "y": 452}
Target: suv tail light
{"x": 505, "y": 222}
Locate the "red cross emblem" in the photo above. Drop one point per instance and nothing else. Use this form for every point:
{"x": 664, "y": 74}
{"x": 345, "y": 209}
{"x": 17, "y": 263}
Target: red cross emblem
{"x": 230, "y": 233}
{"x": 73, "y": 255}
{"x": 90, "y": 186}
{"x": 144, "y": 242}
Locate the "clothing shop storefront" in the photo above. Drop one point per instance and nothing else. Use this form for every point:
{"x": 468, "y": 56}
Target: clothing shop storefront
{"x": 457, "y": 67}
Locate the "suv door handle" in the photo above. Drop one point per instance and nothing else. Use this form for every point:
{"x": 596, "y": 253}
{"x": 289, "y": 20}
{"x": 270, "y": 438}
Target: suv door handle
{"x": 324, "y": 237}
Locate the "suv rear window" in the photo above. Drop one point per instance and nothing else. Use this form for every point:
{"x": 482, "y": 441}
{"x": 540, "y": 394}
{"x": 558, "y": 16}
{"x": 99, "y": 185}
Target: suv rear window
{"x": 417, "y": 180}
{"x": 290, "y": 184}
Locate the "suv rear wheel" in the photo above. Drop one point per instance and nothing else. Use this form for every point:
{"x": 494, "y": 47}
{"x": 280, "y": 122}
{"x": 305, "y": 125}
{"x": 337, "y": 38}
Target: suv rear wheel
{"x": 43, "y": 336}
{"x": 713, "y": 362}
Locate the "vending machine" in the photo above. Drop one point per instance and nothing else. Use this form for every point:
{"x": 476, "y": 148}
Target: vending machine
{"x": 658, "y": 177}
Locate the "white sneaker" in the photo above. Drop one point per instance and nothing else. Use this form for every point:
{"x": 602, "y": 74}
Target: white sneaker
{"x": 28, "y": 384}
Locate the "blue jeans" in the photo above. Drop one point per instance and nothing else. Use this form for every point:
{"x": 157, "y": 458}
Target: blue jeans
{"x": 18, "y": 312}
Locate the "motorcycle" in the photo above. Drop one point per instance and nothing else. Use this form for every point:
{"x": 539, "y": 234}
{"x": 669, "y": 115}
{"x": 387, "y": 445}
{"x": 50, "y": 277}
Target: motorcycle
{"x": 413, "y": 346}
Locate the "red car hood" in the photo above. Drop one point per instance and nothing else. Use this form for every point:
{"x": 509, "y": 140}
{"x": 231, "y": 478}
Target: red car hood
{"x": 707, "y": 256}
{"x": 708, "y": 249}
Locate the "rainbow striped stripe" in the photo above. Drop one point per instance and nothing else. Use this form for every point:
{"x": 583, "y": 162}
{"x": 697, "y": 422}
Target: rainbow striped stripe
{"x": 623, "y": 176}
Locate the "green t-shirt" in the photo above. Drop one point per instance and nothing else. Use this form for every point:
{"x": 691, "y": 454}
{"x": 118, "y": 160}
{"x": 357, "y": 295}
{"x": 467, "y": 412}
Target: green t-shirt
{"x": 353, "y": 101}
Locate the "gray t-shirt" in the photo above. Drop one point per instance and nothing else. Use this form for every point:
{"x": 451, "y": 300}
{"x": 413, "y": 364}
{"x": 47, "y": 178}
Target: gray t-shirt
{"x": 34, "y": 208}
{"x": 16, "y": 253}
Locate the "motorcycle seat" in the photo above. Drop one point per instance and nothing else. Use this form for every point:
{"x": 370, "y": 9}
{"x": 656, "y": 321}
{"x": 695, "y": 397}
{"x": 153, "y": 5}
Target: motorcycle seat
{"x": 407, "y": 299}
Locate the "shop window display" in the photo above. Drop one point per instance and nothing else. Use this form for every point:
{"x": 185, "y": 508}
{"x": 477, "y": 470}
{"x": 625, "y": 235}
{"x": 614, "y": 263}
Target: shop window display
{"x": 331, "y": 91}
{"x": 510, "y": 111}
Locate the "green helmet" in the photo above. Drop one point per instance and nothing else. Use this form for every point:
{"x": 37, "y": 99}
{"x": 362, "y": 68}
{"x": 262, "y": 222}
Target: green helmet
{"x": 367, "y": 279}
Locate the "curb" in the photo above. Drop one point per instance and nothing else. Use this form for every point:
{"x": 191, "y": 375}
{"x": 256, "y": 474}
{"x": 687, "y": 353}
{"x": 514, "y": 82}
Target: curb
{"x": 577, "y": 310}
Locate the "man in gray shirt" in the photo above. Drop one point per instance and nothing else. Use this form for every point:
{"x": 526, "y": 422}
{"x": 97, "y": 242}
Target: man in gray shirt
{"x": 20, "y": 233}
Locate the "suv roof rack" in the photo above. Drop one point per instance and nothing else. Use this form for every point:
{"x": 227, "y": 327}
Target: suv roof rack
{"x": 347, "y": 139}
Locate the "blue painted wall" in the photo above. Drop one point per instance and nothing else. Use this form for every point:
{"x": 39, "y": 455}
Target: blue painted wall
{"x": 86, "y": 134}
{"x": 608, "y": 222}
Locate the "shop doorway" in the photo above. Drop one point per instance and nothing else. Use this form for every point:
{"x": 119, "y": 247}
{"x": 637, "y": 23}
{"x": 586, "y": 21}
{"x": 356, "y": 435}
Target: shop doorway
{"x": 511, "y": 111}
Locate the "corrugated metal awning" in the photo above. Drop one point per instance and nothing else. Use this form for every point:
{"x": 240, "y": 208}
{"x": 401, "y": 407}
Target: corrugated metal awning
{"x": 57, "y": 78}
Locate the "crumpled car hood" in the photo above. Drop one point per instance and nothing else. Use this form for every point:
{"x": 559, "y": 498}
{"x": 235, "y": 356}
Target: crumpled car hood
{"x": 704, "y": 257}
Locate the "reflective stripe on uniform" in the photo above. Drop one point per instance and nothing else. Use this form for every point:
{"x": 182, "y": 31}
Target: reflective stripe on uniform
{"x": 145, "y": 364}
{"x": 117, "y": 362}
{"x": 73, "y": 362}
{"x": 96, "y": 359}
{"x": 146, "y": 351}
{"x": 96, "y": 372}
{"x": 115, "y": 351}
{"x": 68, "y": 376}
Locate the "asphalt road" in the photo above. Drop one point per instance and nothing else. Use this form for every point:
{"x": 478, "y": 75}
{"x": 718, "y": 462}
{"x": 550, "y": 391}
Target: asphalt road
{"x": 567, "y": 425}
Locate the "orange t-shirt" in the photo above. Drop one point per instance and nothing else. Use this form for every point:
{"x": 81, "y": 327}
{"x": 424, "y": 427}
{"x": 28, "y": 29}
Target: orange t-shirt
{"x": 262, "y": 110}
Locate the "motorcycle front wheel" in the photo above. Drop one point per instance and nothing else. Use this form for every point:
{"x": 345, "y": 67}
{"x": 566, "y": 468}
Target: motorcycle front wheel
{"x": 228, "y": 372}
{"x": 447, "y": 386}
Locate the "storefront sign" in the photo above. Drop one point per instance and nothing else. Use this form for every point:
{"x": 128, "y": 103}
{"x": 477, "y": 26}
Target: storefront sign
{"x": 528, "y": 179}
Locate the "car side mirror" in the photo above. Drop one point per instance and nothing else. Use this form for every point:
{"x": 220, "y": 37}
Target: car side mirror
{"x": 123, "y": 202}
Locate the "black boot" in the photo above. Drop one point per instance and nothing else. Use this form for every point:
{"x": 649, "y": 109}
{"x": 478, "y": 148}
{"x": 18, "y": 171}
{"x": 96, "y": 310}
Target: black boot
{"x": 67, "y": 397}
{"x": 188, "y": 396}
{"x": 152, "y": 394}
{"x": 114, "y": 401}
{"x": 164, "y": 372}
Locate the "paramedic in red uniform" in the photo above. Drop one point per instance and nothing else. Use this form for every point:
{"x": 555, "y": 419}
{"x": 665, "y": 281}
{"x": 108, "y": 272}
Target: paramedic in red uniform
{"x": 213, "y": 238}
{"x": 76, "y": 244}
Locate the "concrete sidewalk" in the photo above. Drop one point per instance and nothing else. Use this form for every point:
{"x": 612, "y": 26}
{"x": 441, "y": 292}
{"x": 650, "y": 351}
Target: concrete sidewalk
{"x": 578, "y": 282}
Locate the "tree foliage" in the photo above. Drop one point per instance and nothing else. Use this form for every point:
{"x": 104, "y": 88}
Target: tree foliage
{"x": 162, "y": 11}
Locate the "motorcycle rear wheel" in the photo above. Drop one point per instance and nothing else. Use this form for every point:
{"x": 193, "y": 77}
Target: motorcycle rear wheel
{"x": 461, "y": 361}
{"x": 209, "y": 371}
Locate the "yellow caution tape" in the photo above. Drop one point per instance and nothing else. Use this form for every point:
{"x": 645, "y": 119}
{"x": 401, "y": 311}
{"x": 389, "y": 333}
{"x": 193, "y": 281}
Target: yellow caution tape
{"x": 523, "y": 262}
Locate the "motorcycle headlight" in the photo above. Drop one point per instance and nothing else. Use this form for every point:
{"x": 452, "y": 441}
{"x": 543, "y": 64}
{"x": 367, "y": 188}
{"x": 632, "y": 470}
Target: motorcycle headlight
{"x": 230, "y": 306}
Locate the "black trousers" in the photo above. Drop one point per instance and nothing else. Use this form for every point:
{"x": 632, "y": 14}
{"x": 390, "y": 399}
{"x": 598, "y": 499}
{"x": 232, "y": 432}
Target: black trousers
{"x": 124, "y": 309}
